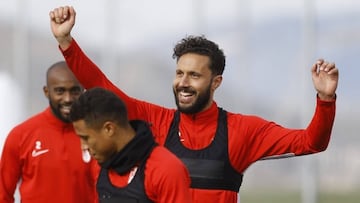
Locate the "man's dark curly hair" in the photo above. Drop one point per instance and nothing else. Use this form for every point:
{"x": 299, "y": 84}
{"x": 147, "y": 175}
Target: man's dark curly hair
{"x": 96, "y": 106}
{"x": 201, "y": 45}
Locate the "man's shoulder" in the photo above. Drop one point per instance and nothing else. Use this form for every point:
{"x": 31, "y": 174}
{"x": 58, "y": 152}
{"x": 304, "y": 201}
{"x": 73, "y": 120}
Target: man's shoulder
{"x": 162, "y": 156}
{"x": 33, "y": 121}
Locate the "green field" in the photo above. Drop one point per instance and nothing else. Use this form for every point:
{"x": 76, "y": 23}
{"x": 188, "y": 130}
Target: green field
{"x": 277, "y": 197}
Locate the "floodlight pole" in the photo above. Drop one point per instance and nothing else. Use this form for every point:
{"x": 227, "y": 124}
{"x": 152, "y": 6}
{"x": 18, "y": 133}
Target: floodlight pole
{"x": 109, "y": 54}
{"x": 309, "y": 190}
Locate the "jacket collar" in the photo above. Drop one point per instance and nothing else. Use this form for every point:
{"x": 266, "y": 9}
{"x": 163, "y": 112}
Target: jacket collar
{"x": 136, "y": 151}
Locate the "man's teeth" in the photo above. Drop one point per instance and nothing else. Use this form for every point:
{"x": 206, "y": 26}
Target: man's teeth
{"x": 185, "y": 94}
{"x": 66, "y": 108}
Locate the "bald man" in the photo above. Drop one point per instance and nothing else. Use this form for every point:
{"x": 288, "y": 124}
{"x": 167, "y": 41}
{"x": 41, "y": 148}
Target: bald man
{"x": 44, "y": 152}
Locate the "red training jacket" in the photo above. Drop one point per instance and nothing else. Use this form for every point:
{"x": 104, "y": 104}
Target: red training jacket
{"x": 45, "y": 153}
{"x": 251, "y": 138}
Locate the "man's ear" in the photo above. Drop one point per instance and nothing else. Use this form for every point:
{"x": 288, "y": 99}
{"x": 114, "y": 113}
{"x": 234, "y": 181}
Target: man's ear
{"x": 216, "y": 82}
{"x": 109, "y": 128}
{"x": 46, "y": 91}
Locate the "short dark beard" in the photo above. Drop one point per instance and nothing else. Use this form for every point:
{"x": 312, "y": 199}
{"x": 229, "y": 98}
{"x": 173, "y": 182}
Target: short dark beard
{"x": 198, "y": 106}
{"x": 57, "y": 113}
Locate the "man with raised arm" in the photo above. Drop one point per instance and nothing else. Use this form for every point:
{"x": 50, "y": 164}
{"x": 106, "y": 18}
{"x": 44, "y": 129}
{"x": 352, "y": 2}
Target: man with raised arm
{"x": 217, "y": 146}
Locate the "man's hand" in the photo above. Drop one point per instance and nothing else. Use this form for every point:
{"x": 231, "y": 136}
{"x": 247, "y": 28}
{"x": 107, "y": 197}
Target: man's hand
{"x": 62, "y": 20}
{"x": 325, "y": 77}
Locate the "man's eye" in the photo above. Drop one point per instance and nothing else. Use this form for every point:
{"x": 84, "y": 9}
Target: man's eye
{"x": 59, "y": 91}
{"x": 84, "y": 138}
{"x": 76, "y": 91}
{"x": 195, "y": 75}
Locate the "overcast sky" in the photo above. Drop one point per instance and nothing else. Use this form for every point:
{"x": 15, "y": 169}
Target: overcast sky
{"x": 161, "y": 16}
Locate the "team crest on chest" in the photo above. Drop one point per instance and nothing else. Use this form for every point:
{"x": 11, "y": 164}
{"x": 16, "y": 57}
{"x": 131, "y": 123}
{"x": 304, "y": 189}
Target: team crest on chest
{"x": 86, "y": 156}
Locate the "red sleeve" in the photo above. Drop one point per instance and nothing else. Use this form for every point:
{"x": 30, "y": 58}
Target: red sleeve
{"x": 89, "y": 75}
{"x": 87, "y": 72}
{"x": 319, "y": 129}
{"x": 10, "y": 168}
{"x": 166, "y": 178}
{"x": 269, "y": 140}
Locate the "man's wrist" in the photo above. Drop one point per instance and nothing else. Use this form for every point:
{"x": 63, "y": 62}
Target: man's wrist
{"x": 326, "y": 97}
{"x": 64, "y": 42}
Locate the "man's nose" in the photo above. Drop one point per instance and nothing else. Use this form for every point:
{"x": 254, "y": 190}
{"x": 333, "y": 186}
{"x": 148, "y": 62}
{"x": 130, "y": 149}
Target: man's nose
{"x": 67, "y": 97}
{"x": 184, "y": 81}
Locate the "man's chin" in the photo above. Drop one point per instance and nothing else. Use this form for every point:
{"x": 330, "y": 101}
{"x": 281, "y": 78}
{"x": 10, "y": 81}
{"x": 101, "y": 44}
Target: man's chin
{"x": 99, "y": 161}
{"x": 65, "y": 118}
{"x": 183, "y": 107}
{"x": 186, "y": 110}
